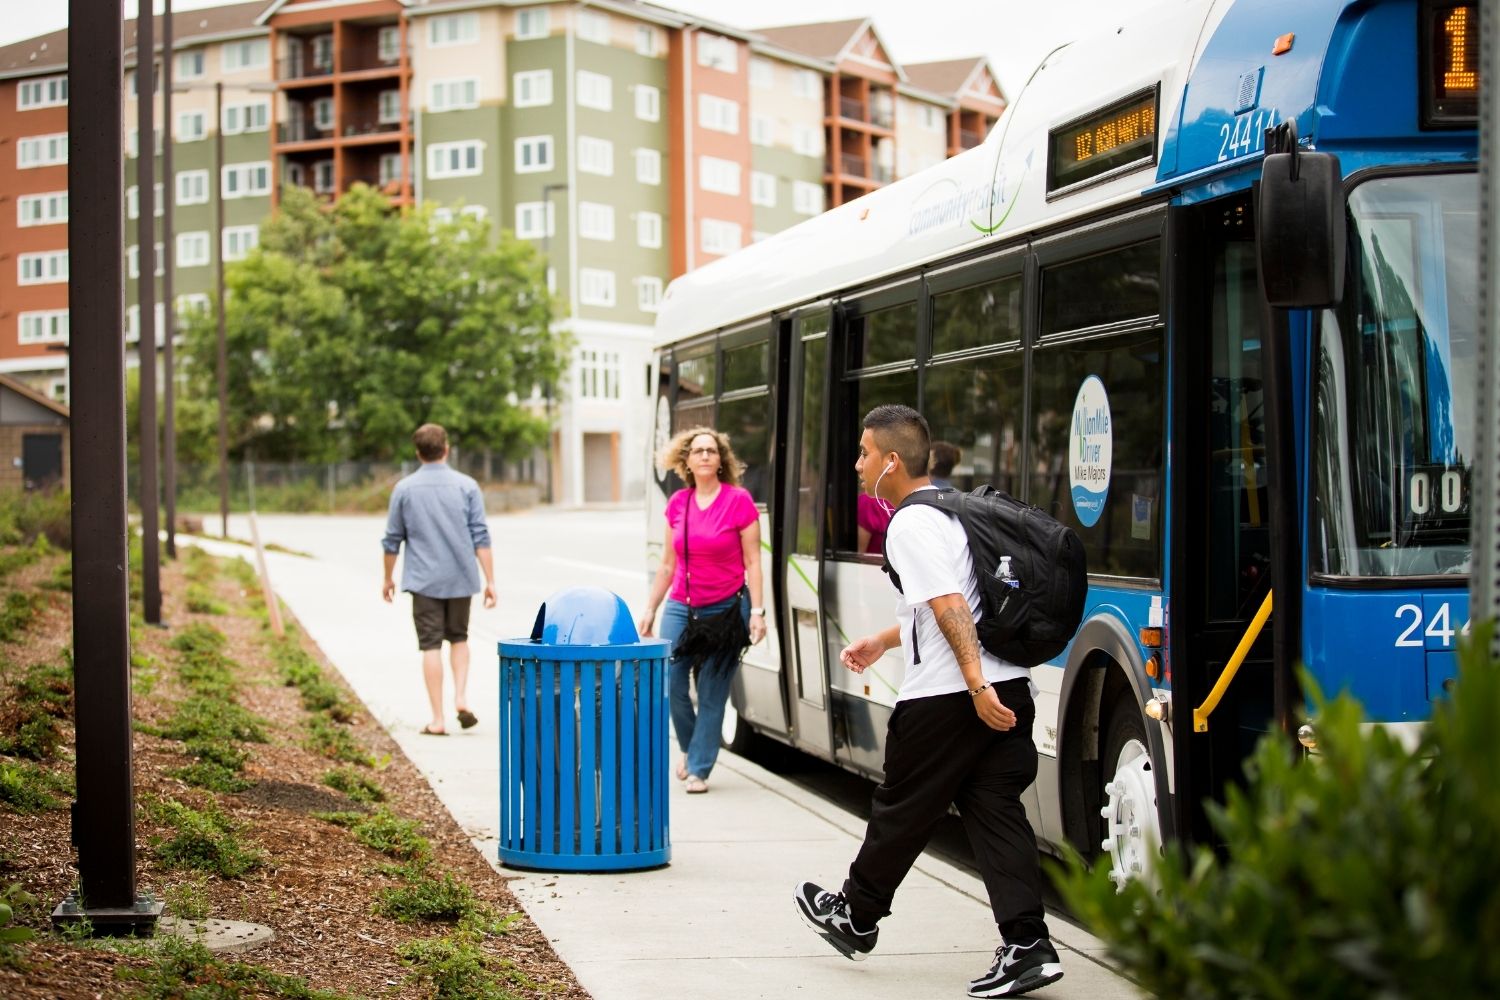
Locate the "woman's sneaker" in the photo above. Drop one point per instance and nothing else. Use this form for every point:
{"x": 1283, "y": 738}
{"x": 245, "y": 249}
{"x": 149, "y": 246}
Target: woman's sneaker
{"x": 1019, "y": 968}
{"x": 828, "y": 914}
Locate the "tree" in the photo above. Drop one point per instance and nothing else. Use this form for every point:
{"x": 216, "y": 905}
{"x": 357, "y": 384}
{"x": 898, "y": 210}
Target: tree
{"x": 351, "y": 325}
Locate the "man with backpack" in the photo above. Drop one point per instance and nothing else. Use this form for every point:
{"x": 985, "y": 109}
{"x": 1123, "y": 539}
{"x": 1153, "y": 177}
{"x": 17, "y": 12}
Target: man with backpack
{"x": 960, "y": 732}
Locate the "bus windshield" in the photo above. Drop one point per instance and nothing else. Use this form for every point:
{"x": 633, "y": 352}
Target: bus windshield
{"x": 1393, "y": 399}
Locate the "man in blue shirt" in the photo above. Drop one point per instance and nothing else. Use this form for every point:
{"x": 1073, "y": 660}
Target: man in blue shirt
{"x": 439, "y": 513}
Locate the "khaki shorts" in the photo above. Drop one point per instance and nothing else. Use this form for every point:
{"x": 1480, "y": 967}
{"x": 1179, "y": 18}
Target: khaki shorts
{"x": 439, "y": 618}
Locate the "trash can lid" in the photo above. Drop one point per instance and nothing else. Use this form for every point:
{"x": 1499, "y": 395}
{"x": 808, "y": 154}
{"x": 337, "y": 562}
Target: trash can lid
{"x": 584, "y": 616}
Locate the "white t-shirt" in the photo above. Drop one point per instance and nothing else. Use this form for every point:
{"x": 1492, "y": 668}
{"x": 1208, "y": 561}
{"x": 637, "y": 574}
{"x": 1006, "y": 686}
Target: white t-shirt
{"x": 930, "y": 552}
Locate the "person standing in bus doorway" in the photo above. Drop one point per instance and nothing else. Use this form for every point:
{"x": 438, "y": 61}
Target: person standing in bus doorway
{"x": 960, "y": 733}
{"x": 940, "y": 463}
{"x": 711, "y": 562}
{"x": 439, "y": 513}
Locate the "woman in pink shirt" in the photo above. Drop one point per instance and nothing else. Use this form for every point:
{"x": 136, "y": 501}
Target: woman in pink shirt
{"x": 717, "y": 519}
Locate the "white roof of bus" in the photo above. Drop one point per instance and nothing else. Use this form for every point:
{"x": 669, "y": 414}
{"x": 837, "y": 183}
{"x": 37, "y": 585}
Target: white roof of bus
{"x": 999, "y": 186}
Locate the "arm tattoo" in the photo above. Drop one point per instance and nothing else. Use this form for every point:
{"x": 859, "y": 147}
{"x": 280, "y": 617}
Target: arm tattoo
{"x": 957, "y": 625}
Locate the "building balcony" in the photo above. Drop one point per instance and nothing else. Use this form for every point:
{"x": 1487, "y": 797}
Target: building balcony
{"x": 851, "y": 109}
{"x": 968, "y": 140}
{"x": 367, "y": 59}
{"x": 296, "y": 131}
{"x": 300, "y": 68}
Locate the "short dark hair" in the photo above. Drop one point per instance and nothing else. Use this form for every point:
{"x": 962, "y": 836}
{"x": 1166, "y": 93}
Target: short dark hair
{"x": 902, "y": 430}
{"x": 944, "y": 457}
{"x": 431, "y": 441}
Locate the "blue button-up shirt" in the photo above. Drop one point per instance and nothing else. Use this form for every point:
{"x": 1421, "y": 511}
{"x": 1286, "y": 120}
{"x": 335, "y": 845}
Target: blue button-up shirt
{"x": 439, "y": 514}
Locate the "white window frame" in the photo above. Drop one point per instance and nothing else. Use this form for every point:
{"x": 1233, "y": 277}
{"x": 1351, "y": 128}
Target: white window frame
{"x": 535, "y": 220}
{"x": 531, "y": 88}
{"x": 322, "y": 109}
{"x": 595, "y": 90}
{"x": 455, "y": 154}
{"x": 322, "y": 51}
{"x": 807, "y": 140}
{"x": 388, "y": 44}
{"x": 199, "y": 129}
{"x": 42, "y": 92}
{"x": 251, "y": 116}
{"x": 252, "y": 53}
{"x": 323, "y": 177}
{"x": 648, "y": 166}
{"x": 592, "y": 26}
{"x": 48, "y": 326}
{"x": 762, "y": 73}
{"x": 534, "y": 154}
{"x": 648, "y": 230}
{"x": 192, "y": 304}
{"x": 762, "y": 189}
{"x": 457, "y": 93}
{"x": 597, "y": 373}
{"x": 807, "y": 198}
{"x": 596, "y": 286}
{"x": 244, "y": 174}
{"x": 389, "y": 169}
{"x": 718, "y": 52}
{"x": 719, "y": 175}
{"x": 646, "y": 43}
{"x": 388, "y": 107}
{"x": 238, "y": 241}
{"x": 719, "y": 114}
{"x": 720, "y": 237}
{"x": 46, "y": 209}
{"x": 762, "y": 130}
{"x": 647, "y": 103}
{"x": 192, "y": 64}
{"x": 296, "y": 174}
{"x": 648, "y": 294}
{"x": 807, "y": 84}
{"x": 447, "y": 30}
{"x": 596, "y": 156}
{"x": 532, "y": 22}
{"x": 50, "y": 267}
{"x": 596, "y": 221}
{"x": 45, "y": 150}
{"x": 193, "y": 249}
{"x": 191, "y": 188}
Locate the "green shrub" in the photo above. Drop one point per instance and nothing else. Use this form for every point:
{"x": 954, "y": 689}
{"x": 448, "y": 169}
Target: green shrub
{"x": 458, "y": 969}
{"x": 1368, "y": 870}
{"x": 61, "y": 578}
{"x": 186, "y": 970}
{"x": 28, "y": 730}
{"x": 27, "y": 788}
{"x": 211, "y": 775}
{"x": 356, "y": 785}
{"x": 23, "y": 556}
{"x": 203, "y": 840}
{"x": 50, "y": 687}
{"x": 26, "y": 515}
{"x": 224, "y": 754}
{"x": 13, "y": 900}
{"x": 214, "y": 720}
{"x": 198, "y": 566}
{"x": 384, "y": 831}
{"x": 199, "y": 637}
{"x": 334, "y": 742}
{"x": 201, "y": 601}
{"x": 424, "y": 897}
{"x": 16, "y": 614}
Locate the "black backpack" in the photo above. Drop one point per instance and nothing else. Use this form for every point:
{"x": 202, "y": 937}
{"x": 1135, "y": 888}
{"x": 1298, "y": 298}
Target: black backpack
{"x": 1032, "y": 601}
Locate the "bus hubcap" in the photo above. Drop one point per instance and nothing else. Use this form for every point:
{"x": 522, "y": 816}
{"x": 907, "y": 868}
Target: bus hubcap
{"x": 1132, "y": 832}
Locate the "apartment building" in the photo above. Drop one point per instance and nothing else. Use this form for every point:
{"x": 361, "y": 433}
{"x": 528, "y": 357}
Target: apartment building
{"x": 628, "y": 142}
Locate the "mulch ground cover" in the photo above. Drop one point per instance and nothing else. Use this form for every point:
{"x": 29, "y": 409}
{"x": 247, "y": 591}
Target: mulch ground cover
{"x": 323, "y": 832}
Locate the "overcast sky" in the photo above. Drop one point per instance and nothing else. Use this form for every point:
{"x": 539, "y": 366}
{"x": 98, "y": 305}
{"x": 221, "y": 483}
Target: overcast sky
{"x": 1015, "y": 34}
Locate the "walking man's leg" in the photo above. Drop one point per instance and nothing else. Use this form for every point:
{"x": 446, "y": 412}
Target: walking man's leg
{"x": 432, "y": 674}
{"x": 458, "y": 659}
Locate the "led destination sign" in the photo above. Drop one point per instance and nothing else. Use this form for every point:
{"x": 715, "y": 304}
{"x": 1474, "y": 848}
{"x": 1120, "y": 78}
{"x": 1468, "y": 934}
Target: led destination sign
{"x": 1450, "y": 64}
{"x": 1120, "y": 135}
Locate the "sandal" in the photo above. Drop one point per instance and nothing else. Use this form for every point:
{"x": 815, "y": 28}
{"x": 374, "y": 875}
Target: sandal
{"x": 696, "y": 785}
{"x": 427, "y": 730}
{"x": 467, "y": 719}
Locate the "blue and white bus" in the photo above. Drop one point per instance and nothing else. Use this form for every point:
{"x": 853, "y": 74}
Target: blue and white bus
{"x": 1077, "y": 306}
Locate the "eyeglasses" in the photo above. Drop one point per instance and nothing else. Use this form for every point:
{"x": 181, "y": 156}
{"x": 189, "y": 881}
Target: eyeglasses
{"x": 704, "y": 451}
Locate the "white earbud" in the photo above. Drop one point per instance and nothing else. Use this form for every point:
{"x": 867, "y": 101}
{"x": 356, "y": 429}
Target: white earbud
{"x": 888, "y": 467}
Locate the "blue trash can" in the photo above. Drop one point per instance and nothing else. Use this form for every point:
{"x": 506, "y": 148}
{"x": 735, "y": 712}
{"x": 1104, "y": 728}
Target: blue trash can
{"x": 584, "y": 740}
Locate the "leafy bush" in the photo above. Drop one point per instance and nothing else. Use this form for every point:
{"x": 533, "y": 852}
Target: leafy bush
{"x": 211, "y": 775}
{"x": 199, "y": 637}
{"x": 358, "y": 786}
{"x": 1369, "y": 870}
{"x": 26, "y": 515}
{"x": 28, "y": 730}
{"x": 204, "y": 840}
{"x": 334, "y": 742}
{"x": 458, "y": 969}
{"x": 214, "y": 720}
{"x": 12, "y": 899}
{"x": 16, "y": 614}
{"x": 424, "y": 897}
{"x": 201, "y": 601}
{"x": 27, "y": 788}
{"x": 186, "y": 970}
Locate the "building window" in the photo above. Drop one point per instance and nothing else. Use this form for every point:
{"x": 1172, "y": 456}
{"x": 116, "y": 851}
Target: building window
{"x": 239, "y": 241}
{"x": 390, "y": 168}
{"x": 595, "y": 90}
{"x": 323, "y": 114}
{"x": 762, "y": 76}
{"x": 132, "y": 202}
{"x": 932, "y": 118}
{"x": 718, "y": 52}
{"x": 596, "y": 156}
{"x": 534, "y": 154}
{"x": 719, "y": 176}
{"x": 451, "y": 95}
{"x": 763, "y": 189}
{"x": 647, "y": 103}
{"x": 645, "y": 40}
{"x": 46, "y": 326}
{"x": 323, "y": 177}
{"x": 42, "y": 151}
{"x": 648, "y": 166}
{"x": 599, "y": 371}
{"x": 478, "y": 212}
{"x": 47, "y": 92}
{"x": 252, "y": 54}
{"x": 807, "y": 198}
{"x": 720, "y": 237}
{"x": 648, "y": 230}
{"x": 323, "y": 52}
{"x": 389, "y": 44}
{"x": 807, "y": 140}
{"x": 806, "y": 84}
{"x": 648, "y": 294}
{"x": 256, "y": 116}
{"x": 452, "y": 29}
{"x": 296, "y": 173}
{"x": 390, "y": 107}
{"x": 42, "y": 209}
{"x": 533, "y": 88}
{"x": 596, "y": 221}
{"x": 535, "y": 220}
{"x": 246, "y": 180}
{"x": 192, "y": 304}
{"x": 191, "y": 126}
{"x": 761, "y": 130}
{"x": 593, "y": 27}
{"x": 718, "y": 114}
{"x": 192, "y": 187}
{"x": 532, "y": 23}
{"x": 133, "y": 322}
{"x": 596, "y": 287}
{"x": 190, "y": 65}
{"x": 133, "y": 260}
{"x": 192, "y": 249}
{"x": 42, "y": 268}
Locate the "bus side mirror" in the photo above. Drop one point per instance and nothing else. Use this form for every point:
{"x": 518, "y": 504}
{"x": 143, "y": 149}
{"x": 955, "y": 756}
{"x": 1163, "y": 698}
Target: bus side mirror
{"x": 1300, "y": 228}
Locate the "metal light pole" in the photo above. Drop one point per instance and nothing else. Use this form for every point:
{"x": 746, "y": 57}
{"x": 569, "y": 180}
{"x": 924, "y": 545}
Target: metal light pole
{"x": 223, "y": 366}
{"x": 145, "y": 174}
{"x": 1484, "y": 579}
{"x": 168, "y": 256}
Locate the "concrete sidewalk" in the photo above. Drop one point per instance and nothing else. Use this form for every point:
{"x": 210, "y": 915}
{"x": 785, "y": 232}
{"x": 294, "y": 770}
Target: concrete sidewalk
{"x": 718, "y": 922}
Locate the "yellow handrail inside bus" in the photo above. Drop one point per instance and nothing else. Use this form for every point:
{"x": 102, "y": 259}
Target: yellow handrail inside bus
{"x": 1203, "y": 711}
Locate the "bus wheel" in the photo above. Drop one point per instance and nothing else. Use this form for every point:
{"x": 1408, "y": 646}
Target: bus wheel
{"x": 736, "y": 736}
{"x": 1132, "y": 825}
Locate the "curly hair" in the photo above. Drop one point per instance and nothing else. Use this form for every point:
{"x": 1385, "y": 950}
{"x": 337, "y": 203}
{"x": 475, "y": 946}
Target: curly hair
{"x": 675, "y": 456}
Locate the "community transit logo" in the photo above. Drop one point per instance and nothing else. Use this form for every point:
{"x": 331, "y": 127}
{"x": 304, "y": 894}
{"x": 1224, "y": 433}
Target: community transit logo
{"x": 1090, "y": 451}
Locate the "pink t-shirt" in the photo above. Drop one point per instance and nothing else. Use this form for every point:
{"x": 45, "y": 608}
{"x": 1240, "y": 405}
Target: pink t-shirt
{"x": 717, "y": 560}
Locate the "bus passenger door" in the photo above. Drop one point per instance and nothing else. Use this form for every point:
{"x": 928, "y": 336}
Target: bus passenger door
{"x": 803, "y": 532}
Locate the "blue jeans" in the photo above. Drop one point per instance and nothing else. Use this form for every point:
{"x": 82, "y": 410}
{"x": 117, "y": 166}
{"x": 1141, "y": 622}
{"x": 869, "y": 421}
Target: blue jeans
{"x": 698, "y": 733}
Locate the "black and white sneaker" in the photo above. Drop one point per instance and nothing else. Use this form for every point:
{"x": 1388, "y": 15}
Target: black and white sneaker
{"x": 1019, "y": 968}
{"x": 828, "y": 914}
